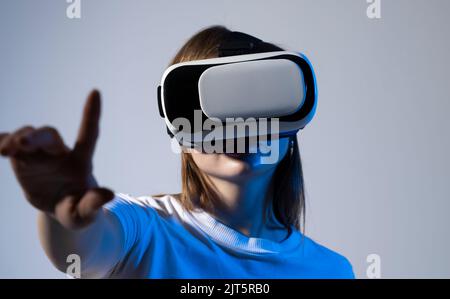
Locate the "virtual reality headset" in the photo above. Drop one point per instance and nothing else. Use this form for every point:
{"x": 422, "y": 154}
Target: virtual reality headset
{"x": 238, "y": 87}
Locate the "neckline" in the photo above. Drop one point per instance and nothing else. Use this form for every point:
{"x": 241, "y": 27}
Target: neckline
{"x": 230, "y": 238}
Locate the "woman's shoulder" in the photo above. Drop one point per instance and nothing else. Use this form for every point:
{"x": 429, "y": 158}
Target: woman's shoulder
{"x": 330, "y": 260}
{"x": 163, "y": 204}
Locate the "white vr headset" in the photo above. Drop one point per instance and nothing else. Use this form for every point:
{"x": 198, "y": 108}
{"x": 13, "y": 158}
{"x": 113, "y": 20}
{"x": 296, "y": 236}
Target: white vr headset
{"x": 249, "y": 82}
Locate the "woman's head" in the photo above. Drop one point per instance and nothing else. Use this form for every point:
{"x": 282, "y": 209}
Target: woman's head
{"x": 197, "y": 168}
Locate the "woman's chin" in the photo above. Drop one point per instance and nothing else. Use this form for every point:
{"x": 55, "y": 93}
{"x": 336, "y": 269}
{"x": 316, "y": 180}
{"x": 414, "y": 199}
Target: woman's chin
{"x": 239, "y": 164}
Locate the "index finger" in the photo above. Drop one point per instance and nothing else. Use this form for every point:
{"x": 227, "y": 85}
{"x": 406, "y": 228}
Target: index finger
{"x": 89, "y": 128}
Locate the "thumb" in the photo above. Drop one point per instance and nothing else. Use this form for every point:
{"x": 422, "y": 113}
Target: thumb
{"x": 92, "y": 201}
{"x": 74, "y": 213}
{"x": 89, "y": 128}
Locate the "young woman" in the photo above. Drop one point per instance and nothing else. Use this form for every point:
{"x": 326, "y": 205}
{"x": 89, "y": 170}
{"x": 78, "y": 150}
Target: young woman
{"x": 234, "y": 218}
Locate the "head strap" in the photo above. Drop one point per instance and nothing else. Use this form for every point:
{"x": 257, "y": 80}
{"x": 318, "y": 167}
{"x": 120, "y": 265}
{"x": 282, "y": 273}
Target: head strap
{"x": 239, "y": 43}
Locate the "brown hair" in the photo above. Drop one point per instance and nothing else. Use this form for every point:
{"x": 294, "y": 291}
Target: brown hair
{"x": 198, "y": 190}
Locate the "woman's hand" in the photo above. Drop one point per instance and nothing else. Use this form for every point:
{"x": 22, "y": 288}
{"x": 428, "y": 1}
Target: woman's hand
{"x": 56, "y": 179}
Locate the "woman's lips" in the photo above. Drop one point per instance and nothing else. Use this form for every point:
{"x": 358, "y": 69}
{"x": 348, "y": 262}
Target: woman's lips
{"x": 240, "y": 156}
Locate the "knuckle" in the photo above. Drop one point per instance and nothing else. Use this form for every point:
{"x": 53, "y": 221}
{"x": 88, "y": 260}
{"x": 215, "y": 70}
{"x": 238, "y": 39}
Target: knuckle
{"x": 27, "y": 128}
{"x": 3, "y": 137}
{"x": 19, "y": 137}
{"x": 22, "y": 129}
{"x": 50, "y": 130}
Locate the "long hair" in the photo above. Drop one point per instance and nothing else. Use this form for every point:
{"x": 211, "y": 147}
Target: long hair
{"x": 198, "y": 190}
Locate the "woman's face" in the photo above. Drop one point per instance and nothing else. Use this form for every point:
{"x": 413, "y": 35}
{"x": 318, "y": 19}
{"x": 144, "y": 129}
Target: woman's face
{"x": 241, "y": 165}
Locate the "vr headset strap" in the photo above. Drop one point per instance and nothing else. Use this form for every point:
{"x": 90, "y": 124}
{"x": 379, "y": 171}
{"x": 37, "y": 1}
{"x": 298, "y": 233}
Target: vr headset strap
{"x": 239, "y": 43}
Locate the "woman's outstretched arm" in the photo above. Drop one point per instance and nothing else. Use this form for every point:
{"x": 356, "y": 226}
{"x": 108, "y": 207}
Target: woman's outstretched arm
{"x": 100, "y": 245}
{"x": 59, "y": 182}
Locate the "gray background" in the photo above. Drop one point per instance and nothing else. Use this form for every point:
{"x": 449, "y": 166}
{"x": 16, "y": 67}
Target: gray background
{"x": 376, "y": 157}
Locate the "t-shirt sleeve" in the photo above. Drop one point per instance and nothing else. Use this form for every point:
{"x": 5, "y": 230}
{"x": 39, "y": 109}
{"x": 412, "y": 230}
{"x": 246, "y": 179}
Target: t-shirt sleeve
{"x": 136, "y": 217}
{"x": 330, "y": 263}
{"x": 346, "y": 269}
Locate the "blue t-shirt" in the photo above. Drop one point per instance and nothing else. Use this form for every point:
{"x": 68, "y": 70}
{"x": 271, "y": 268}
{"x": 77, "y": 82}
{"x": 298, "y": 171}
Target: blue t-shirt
{"x": 163, "y": 240}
